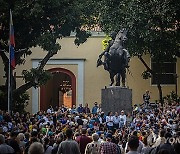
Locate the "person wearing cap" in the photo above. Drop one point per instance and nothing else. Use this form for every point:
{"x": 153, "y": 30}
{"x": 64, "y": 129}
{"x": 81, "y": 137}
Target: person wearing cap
{"x": 122, "y": 119}
{"x": 108, "y": 147}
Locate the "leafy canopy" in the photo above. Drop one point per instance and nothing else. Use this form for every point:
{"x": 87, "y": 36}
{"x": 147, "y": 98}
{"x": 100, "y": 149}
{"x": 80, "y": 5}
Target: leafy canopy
{"x": 153, "y": 25}
{"x": 42, "y": 22}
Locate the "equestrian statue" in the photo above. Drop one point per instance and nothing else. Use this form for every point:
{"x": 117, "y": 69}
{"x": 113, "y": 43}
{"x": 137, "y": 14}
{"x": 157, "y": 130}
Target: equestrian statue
{"x": 116, "y": 57}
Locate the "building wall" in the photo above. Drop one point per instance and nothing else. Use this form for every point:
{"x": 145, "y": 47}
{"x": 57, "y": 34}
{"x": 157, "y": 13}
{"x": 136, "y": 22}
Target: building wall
{"x": 95, "y": 78}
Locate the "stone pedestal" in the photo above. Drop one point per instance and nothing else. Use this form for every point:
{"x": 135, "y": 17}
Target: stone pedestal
{"x": 116, "y": 99}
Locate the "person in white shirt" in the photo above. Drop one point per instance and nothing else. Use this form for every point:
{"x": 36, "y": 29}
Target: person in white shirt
{"x": 99, "y": 109}
{"x": 116, "y": 120}
{"x": 122, "y": 118}
{"x": 109, "y": 121}
{"x": 50, "y": 109}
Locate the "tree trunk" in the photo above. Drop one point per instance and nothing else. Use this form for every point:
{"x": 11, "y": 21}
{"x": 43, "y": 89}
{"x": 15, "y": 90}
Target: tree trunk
{"x": 28, "y": 85}
{"x": 157, "y": 79}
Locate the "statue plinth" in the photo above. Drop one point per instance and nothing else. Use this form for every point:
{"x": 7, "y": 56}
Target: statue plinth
{"x": 116, "y": 99}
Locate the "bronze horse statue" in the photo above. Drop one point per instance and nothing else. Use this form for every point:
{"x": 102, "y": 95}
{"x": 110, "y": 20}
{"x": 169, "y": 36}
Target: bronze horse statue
{"x": 116, "y": 59}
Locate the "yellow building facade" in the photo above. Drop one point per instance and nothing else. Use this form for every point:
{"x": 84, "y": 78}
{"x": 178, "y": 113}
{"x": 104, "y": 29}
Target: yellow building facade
{"x": 88, "y": 80}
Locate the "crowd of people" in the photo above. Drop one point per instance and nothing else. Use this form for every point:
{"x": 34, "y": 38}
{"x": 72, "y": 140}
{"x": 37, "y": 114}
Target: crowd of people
{"x": 80, "y": 130}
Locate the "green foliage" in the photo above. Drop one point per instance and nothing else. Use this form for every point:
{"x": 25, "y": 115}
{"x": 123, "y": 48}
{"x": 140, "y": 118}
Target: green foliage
{"x": 81, "y": 36}
{"x": 42, "y": 22}
{"x": 36, "y": 77}
{"x": 172, "y": 97}
{"x": 153, "y": 25}
{"x": 20, "y": 102}
{"x": 146, "y": 75}
{"x": 3, "y": 104}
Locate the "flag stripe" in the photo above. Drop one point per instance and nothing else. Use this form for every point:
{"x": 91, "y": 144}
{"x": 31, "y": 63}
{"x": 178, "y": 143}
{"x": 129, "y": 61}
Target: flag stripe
{"x": 12, "y": 43}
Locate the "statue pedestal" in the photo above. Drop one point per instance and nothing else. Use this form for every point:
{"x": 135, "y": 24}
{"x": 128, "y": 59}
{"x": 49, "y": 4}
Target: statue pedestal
{"x": 116, "y": 99}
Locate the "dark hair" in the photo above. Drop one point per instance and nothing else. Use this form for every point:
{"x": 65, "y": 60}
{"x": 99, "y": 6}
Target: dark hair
{"x": 134, "y": 133}
{"x": 69, "y": 133}
{"x": 167, "y": 135}
{"x": 163, "y": 151}
{"x": 34, "y": 134}
{"x": 162, "y": 133}
{"x": 109, "y": 113}
{"x": 13, "y": 134}
{"x": 145, "y": 141}
{"x": 46, "y": 140}
{"x": 84, "y": 130}
{"x": 133, "y": 143}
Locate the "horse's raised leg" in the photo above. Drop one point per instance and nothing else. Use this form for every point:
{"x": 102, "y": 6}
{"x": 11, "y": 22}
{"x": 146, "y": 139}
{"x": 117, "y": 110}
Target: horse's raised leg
{"x": 112, "y": 78}
{"x": 118, "y": 79}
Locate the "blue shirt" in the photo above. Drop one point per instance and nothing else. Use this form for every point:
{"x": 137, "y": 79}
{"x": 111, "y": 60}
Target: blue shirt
{"x": 80, "y": 109}
{"x": 1, "y": 118}
{"x": 94, "y": 109}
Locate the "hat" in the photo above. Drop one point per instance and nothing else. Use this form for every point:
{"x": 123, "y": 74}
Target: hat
{"x": 109, "y": 135}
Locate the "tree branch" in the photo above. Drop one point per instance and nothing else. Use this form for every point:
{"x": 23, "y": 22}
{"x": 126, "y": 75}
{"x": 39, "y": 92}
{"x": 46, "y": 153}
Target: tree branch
{"x": 28, "y": 85}
{"x": 157, "y": 78}
{"x": 145, "y": 64}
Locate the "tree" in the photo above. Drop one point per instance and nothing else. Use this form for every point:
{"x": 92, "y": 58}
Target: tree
{"x": 40, "y": 23}
{"x": 153, "y": 28}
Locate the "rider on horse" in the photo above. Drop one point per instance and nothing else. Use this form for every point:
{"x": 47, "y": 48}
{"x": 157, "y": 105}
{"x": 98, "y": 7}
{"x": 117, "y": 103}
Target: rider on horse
{"x": 116, "y": 57}
{"x": 107, "y": 43}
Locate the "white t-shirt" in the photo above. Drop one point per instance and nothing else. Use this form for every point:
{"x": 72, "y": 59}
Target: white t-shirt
{"x": 109, "y": 120}
{"x": 116, "y": 119}
{"x": 122, "y": 119}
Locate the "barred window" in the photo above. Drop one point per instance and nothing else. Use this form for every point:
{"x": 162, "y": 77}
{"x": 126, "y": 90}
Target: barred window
{"x": 165, "y": 71}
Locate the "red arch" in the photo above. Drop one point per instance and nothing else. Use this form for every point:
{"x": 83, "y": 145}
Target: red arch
{"x": 73, "y": 78}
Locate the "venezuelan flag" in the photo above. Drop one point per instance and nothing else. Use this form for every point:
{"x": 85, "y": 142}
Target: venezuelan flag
{"x": 12, "y": 43}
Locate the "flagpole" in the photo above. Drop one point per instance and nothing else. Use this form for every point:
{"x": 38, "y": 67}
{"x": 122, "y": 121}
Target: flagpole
{"x": 9, "y": 69}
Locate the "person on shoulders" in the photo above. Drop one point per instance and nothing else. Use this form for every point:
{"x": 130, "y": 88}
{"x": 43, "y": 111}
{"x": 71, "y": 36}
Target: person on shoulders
{"x": 146, "y": 98}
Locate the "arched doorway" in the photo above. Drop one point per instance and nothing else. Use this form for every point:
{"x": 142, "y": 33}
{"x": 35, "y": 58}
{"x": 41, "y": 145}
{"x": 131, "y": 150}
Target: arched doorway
{"x": 60, "y": 89}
